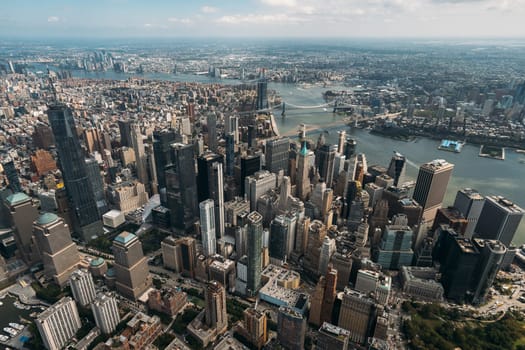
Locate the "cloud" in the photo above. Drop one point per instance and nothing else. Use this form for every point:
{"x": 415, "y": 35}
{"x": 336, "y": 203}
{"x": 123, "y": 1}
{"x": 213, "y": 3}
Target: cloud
{"x": 53, "y": 19}
{"x": 280, "y": 3}
{"x": 209, "y": 9}
{"x": 259, "y": 19}
{"x": 180, "y": 20}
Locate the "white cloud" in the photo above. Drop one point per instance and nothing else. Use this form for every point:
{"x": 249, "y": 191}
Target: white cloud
{"x": 53, "y": 19}
{"x": 259, "y": 19}
{"x": 209, "y": 9}
{"x": 180, "y": 20}
{"x": 280, "y": 3}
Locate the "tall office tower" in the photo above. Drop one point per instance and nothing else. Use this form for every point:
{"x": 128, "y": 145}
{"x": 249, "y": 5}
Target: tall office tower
{"x": 125, "y": 132}
{"x": 82, "y": 287}
{"x": 332, "y": 337}
{"x": 181, "y": 188}
{"x": 470, "y": 203}
{"x": 499, "y": 219}
{"x": 411, "y": 209}
{"x": 278, "y": 239}
{"x": 350, "y": 147}
{"x": 458, "y": 258}
{"x": 59, "y": 253}
{"x": 250, "y": 164}
{"x": 341, "y": 142}
{"x": 357, "y": 315}
{"x": 210, "y": 180}
{"x": 170, "y": 254}
{"x": 255, "y": 238}
{"x": 162, "y": 151}
{"x": 232, "y": 127}
{"x": 58, "y": 323}
{"x": 361, "y": 168}
{"x": 491, "y": 257}
{"x": 230, "y": 154}
{"x": 327, "y": 250}
{"x": 326, "y": 155}
{"x": 105, "y": 312}
{"x": 255, "y": 325}
{"x": 86, "y": 218}
{"x": 131, "y": 266}
{"x": 93, "y": 172}
{"x": 277, "y": 154}
{"x": 285, "y": 193}
{"x": 316, "y": 302}
{"x": 316, "y": 235}
{"x": 361, "y": 235}
{"x": 21, "y": 212}
{"x": 262, "y": 94}
{"x": 137, "y": 144}
{"x": 378, "y": 220}
{"x": 329, "y": 295}
{"x": 216, "y": 315}
{"x": 342, "y": 263}
{"x": 303, "y": 172}
{"x": 207, "y": 220}
{"x": 12, "y": 175}
{"x": 431, "y": 185}
{"x": 395, "y": 248}
{"x": 396, "y": 169}
{"x": 260, "y": 183}
{"x": 252, "y": 136}
{"x": 211, "y": 122}
{"x": 301, "y": 237}
{"x": 152, "y": 169}
{"x": 291, "y": 328}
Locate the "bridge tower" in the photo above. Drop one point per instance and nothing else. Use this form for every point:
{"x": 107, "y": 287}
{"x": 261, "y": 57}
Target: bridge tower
{"x": 283, "y": 114}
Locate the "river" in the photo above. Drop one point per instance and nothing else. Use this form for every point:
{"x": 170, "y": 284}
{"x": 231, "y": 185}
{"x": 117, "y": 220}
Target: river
{"x": 489, "y": 176}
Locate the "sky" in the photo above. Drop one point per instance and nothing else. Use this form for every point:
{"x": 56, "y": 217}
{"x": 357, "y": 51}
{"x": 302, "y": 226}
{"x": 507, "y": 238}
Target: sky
{"x": 263, "y": 18}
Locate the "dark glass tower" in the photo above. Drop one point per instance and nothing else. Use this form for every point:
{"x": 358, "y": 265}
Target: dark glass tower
{"x": 230, "y": 154}
{"x": 161, "y": 149}
{"x": 93, "y": 171}
{"x": 326, "y": 156}
{"x": 262, "y": 94}
{"x": 278, "y": 238}
{"x": 181, "y": 188}
{"x": 86, "y": 218}
{"x": 249, "y": 166}
{"x": 255, "y": 237}
{"x": 210, "y": 183}
{"x": 396, "y": 167}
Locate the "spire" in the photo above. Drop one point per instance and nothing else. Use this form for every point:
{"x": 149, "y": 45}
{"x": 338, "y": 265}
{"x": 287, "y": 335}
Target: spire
{"x": 304, "y": 150}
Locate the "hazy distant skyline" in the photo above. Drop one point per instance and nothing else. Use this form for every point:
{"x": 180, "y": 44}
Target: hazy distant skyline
{"x": 263, "y": 18}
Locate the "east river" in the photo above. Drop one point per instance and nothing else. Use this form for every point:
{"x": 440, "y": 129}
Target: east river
{"x": 489, "y": 176}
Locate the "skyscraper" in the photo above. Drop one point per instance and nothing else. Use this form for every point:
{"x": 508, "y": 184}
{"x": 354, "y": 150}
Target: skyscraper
{"x": 207, "y": 220}
{"x": 262, "y": 94}
{"x": 210, "y": 183}
{"x": 105, "y": 312}
{"x": 250, "y": 164}
{"x": 499, "y": 219}
{"x": 357, "y": 315}
{"x": 230, "y": 154}
{"x": 93, "y": 172}
{"x": 431, "y": 186}
{"x": 181, "y": 188}
{"x": 12, "y": 175}
{"x": 22, "y": 212}
{"x": 470, "y": 203}
{"x": 395, "y": 248}
{"x": 332, "y": 337}
{"x": 131, "y": 267}
{"x": 277, "y": 154}
{"x": 86, "y": 218}
{"x": 59, "y": 253}
{"x": 125, "y": 132}
{"x": 141, "y": 165}
{"x": 291, "y": 328}
{"x": 82, "y": 287}
{"x": 491, "y": 257}
{"x": 162, "y": 150}
{"x": 216, "y": 315}
{"x": 255, "y": 238}
{"x": 278, "y": 238}
{"x": 212, "y": 131}
{"x": 303, "y": 172}
{"x": 58, "y": 323}
{"x": 396, "y": 169}
{"x": 257, "y": 185}
{"x": 255, "y": 326}
{"x": 326, "y": 155}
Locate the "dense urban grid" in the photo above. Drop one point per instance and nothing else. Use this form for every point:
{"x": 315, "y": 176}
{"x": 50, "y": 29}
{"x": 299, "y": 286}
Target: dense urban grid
{"x": 141, "y": 209}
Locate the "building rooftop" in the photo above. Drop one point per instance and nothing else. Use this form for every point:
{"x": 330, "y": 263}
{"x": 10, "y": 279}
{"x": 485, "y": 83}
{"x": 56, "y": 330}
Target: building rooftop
{"x": 97, "y": 262}
{"x": 472, "y": 193}
{"x": 17, "y": 198}
{"x": 113, "y": 214}
{"x": 125, "y": 237}
{"x": 333, "y": 330}
{"x": 46, "y": 219}
{"x": 507, "y": 204}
